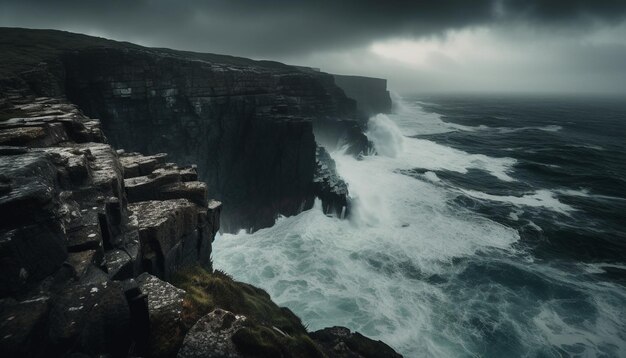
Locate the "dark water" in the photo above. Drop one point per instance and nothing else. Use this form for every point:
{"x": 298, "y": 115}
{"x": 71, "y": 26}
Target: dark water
{"x": 486, "y": 227}
{"x": 575, "y": 148}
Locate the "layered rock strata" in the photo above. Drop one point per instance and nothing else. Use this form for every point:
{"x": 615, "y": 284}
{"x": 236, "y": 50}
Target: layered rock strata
{"x": 80, "y": 222}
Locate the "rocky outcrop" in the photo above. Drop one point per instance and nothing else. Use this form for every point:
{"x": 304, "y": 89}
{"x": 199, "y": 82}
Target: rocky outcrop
{"x": 341, "y": 343}
{"x": 329, "y": 187}
{"x": 80, "y": 222}
{"x": 371, "y": 94}
{"x": 212, "y": 336}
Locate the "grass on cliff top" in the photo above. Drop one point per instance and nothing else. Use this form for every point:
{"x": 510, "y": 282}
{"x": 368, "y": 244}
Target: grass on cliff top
{"x": 207, "y": 291}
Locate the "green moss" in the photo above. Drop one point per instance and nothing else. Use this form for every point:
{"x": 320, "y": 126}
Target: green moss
{"x": 207, "y": 291}
{"x": 261, "y": 341}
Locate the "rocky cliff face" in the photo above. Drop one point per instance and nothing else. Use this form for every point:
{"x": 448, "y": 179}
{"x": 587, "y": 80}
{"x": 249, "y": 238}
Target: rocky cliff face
{"x": 371, "y": 94}
{"x": 91, "y": 236}
{"x": 80, "y": 222}
{"x": 106, "y": 252}
{"x": 250, "y": 126}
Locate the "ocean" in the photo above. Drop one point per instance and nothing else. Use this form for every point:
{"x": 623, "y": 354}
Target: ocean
{"x": 491, "y": 226}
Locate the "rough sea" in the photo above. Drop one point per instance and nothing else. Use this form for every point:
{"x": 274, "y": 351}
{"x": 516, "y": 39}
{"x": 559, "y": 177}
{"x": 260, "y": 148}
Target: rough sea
{"x": 486, "y": 226}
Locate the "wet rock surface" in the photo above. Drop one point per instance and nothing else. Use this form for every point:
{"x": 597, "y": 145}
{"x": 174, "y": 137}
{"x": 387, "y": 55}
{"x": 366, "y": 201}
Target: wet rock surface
{"x": 329, "y": 186}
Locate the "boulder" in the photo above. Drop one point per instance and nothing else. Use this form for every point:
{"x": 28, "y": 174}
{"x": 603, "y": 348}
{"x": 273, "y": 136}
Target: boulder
{"x": 165, "y": 304}
{"x": 211, "y": 336}
{"x": 164, "y": 228}
{"x": 341, "y": 343}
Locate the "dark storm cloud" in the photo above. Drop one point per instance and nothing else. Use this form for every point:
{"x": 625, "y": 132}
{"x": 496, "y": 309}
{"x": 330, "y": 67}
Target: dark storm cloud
{"x": 273, "y": 28}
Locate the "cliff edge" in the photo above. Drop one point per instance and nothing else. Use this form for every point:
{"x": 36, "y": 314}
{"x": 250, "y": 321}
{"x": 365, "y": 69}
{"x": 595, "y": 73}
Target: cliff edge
{"x": 107, "y": 252}
{"x": 250, "y": 126}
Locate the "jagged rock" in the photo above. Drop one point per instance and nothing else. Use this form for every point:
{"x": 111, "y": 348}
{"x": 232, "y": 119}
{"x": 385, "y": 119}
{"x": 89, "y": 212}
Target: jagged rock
{"x": 91, "y": 319}
{"x": 165, "y": 303}
{"x": 329, "y": 187}
{"x": 81, "y": 261}
{"x": 194, "y": 191}
{"x": 148, "y": 187}
{"x": 120, "y": 265}
{"x": 166, "y": 230}
{"x": 30, "y": 189}
{"x": 341, "y": 343}
{"x": 36, "y": 134}
{"x": 136, "y": 164}
{"x": 211, "y": 336}
{"x": 68, "y": 234}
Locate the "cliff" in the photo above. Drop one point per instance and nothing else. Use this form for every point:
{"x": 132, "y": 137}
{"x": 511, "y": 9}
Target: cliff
{"x": 371, "y": 94}
{"x": 107, "y": 253}
{"x": 250, "y": 126}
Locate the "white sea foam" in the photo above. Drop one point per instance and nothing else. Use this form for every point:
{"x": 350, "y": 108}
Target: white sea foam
{"x": 365, "y": 272}
{"x": 410, "y": 153}
{"x": 386, "y": 136}
{"x": 377, "y": 272}
{"x": 548, "y": 128}
{"x": 413, "y": 120}
{"x": 540, "y": 198}
{"x": 585, "y": 193}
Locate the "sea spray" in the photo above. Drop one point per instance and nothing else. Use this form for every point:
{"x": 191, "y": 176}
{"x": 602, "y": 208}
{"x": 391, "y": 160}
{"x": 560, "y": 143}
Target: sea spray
{"x": 417, "y": 268}
{"x": 385, "y": 135}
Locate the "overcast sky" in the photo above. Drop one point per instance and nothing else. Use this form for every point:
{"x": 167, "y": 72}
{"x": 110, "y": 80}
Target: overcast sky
{"x": 420, "y": 46}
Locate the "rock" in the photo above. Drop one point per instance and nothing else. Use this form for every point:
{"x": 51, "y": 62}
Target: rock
{"x": 120, "y": 265}
{"x": 211, "y": 336}
{"x": 23, "y": 326}
{"x": 165, "y": 303}
{"x": 194, "y": 191}
{"x": 136, "y": 164}
{"x": 148, "y": 187}
{"x": 91, "y": 319}
{"x": 30, "y": 189}
{"x": 81, "y": 261}
{"x": 164, "y": 227}
{"x": 33, "y": 135}
{"x": 341, "y": 343}
{"x": 29, "y": 254}
{"x": 329, "y": 187}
